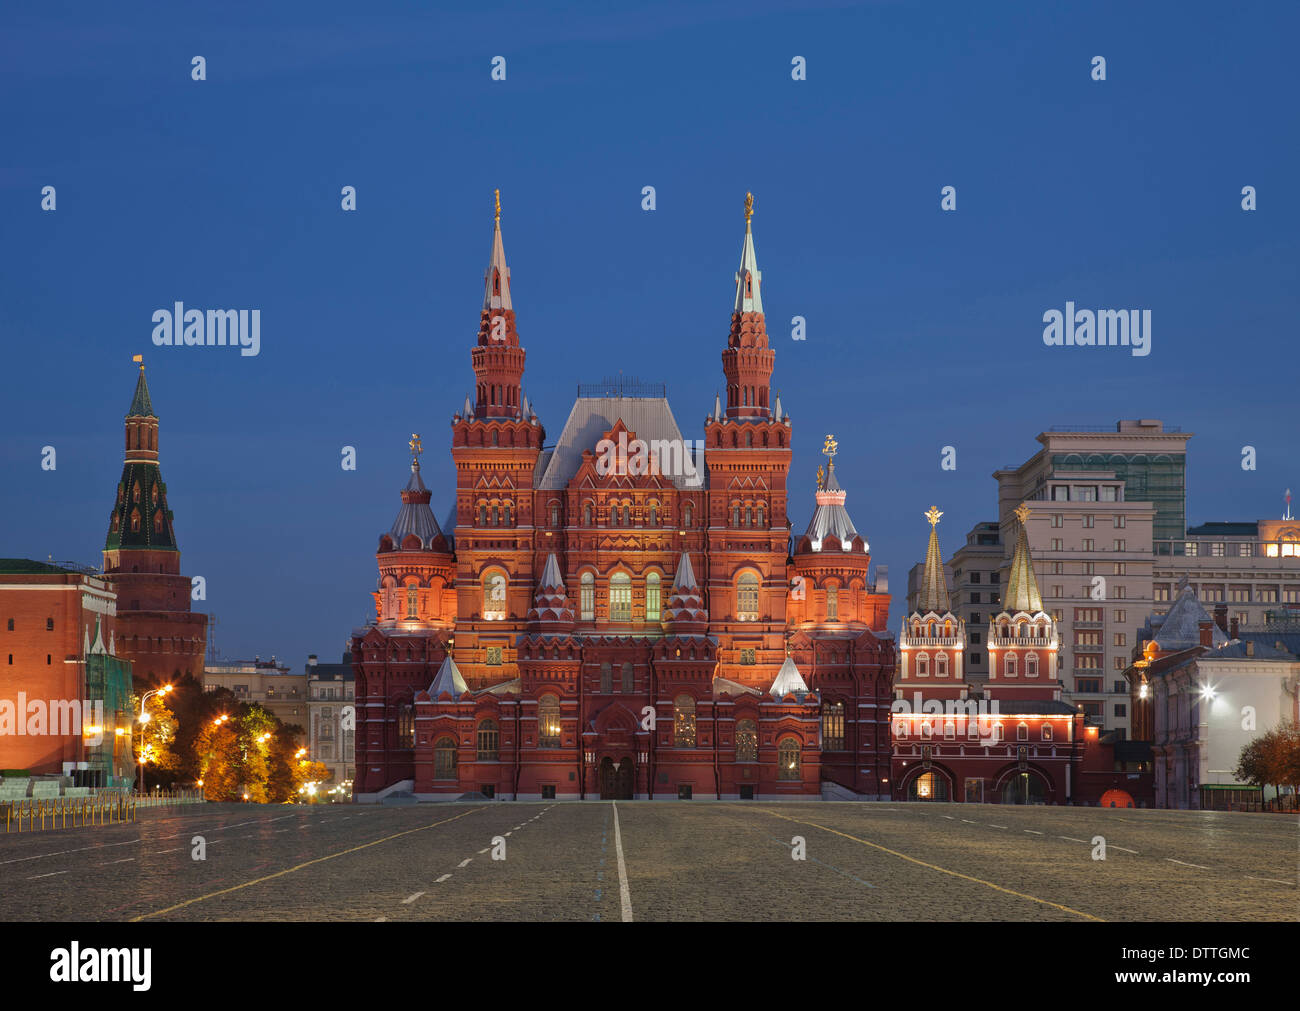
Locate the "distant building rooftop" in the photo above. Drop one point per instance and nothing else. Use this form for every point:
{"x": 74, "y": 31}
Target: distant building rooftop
{"x": 1224, "y": 529}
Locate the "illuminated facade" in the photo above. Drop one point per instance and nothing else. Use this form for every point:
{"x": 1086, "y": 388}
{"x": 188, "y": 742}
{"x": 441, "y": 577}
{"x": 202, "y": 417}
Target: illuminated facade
{"x": 623, "y": 613}
{"x": 1008, "y": 740}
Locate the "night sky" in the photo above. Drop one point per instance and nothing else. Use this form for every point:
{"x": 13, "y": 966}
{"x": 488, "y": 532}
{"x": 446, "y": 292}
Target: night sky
{"x": 924, "y": 327}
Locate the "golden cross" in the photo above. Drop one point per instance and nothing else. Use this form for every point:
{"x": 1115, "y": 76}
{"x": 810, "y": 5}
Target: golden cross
{"x": 415, "y": 445}
{"x": 831, "y": 447}
{"x": 1022, "y": 512}
{"x": 498, "y": 195}
{"x": 749, "y": 208}
{"x": 933, "y": 514}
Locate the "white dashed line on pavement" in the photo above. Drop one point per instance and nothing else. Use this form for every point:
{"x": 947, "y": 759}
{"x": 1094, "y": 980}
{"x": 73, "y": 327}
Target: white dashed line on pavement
{"x": 483, "y": 850}
{"x": 1125, "y": 849}
{"x": 1070, "y": 838}
{"x": 442, "y": 879}
{"x": 464, "y": 862}
{"x": 50, "y": 875}
{"x": 1033, "y": 832}
{"x": 411, "y": 898}
{"x": 624, "y": 896}
{"x": 1276, "y": 881}
{"x": 122, "y": 861}
{"x": 1185, "y": 864}
{"x": 969, "y": 822}
{"x": 997, "y": 826}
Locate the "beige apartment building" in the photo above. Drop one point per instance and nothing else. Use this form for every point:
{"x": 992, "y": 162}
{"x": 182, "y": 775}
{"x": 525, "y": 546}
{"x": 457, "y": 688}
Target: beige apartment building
{"x": 1099, "y": 499}
{"x": 332, "y": 720}
{"x": 266, "y": 682}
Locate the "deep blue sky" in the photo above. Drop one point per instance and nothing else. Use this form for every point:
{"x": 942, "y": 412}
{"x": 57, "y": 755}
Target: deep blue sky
{"x": 924, "y": 327}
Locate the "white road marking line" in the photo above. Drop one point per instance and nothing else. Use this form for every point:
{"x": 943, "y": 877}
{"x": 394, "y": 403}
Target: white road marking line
{"x": 1032, "y": 831}
{"x": 1125, "y": 849}
{"x": 50, "y": 875}
{"x": 1070, "y": 838}
{"x": 176, "y": 849}
{"x": 79, "y": 849}
{"x": 997, "y": 826}
{"x": 124, "y": 860}
{"x": 624, "y": 896}
{"x": 948, "y": 816}
{"x": 510, "y": 832}
{"x": 1185, "y": 864}
{"x": 483, "y": 850}
{"x": 969, "y": 822}
{"x": 442, "y": 879}
{"x": 411, "y": 898}
{"x": 1276, "y": 881}
{"x": 463, "y": 862}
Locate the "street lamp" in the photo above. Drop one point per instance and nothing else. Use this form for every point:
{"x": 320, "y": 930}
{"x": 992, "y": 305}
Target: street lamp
{"x": 144, "y": 718}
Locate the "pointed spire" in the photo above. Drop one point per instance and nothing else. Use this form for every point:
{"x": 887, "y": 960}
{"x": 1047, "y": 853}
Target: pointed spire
{"x": 748, "y": 278}
{"x": 496, "y": 294}
{"x": 717, "y": 407}
{"x": 141, "y": 405}
{"x": 551, "y": 608}
{"x": 448, "y": 681}
{"x": 777, "y": 415}
{"x": 416, "y": 517}
{"x": 85, "y": 642}
{"x": 934, "y": 584}
{"x": 789, "y": 681}
{"x": 97, "y": 648}
{"x": 469, "y": 408}
{"x": 1022, "y": 585}
{"x": 685, "y": 613}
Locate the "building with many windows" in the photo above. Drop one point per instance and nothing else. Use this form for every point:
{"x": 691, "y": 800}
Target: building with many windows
{"x": 331, "y": 718}
{"x": 623, "y": 612}
{"x": 272, "y": 685}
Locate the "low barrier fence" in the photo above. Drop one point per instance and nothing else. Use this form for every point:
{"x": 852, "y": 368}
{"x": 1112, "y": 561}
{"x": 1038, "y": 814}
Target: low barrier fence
{"x": 65, "y": 812}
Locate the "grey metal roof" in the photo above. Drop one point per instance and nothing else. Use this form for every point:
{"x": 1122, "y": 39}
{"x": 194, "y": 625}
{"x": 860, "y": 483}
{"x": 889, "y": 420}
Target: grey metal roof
{"x": 448, "y": 681}
{"x": 415, "y": 517}
{"x": 789, "y": 681}
{"x": 1180, "y": 628}
{"x": 591, "y": 417}
{"x": 831, "y": 518}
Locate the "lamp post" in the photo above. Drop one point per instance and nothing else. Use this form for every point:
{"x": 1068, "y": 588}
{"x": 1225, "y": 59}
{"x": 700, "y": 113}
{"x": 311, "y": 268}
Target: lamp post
{"x": 144, "y": 718}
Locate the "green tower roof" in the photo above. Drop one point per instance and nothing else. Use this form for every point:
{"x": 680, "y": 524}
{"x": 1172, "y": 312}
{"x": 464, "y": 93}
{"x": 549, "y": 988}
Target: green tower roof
{"x": 141, "y": 405}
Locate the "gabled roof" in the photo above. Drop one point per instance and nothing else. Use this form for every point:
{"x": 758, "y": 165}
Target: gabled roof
{"x": 590, "y": 418}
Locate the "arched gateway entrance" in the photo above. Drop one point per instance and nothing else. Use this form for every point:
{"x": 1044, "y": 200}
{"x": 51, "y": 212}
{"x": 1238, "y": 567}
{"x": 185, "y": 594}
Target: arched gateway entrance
{"x": 615, "y": 780}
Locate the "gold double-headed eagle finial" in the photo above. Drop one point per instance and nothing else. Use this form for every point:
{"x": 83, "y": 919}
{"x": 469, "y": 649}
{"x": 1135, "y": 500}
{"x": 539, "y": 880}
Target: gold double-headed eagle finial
{"x": 1022, "y": 512}
{"x": 830, "y": 447}
{"x": 498, "y": 196}
{"x": 932, "y": 514}
{"x": 749, "y": 208}
{"x": 416, "y": 447}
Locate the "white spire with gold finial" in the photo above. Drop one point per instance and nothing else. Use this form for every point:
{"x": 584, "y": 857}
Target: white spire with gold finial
{"x": 496, "y": 294}
{"x": 749, "y": 278}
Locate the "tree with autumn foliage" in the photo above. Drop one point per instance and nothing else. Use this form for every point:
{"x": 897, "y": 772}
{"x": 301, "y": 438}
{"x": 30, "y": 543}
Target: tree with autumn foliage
{"x": 1272, "y": 759}
{"x": 217, "y": 754}
{"x": 155, "y": 737}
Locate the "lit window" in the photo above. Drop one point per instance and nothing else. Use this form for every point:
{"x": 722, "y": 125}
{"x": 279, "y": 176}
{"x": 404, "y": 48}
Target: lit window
{"x": 652, "y": 597}
{"x": 1009, "y": 667}
{"x": 620, "y": 597}
{"x": 746, "y": 741}
{"x": 412, "y": 601}
{"x": 587, "y": 595}
{"x": 684, "y": 721}
{"x": 405, "y": 723}
{"x": 494, "y": 594}
{"x": 1031, "y": 665}
{"x": 787, "y": 760}
{"x": 832, "y": 603}
{"x": 1046, "y": 732}
{"x": 548, "y": 722}
{"x": 747, "y": 597}
{"x": 923, "y": 665}
{"x": 1022, "y": 732}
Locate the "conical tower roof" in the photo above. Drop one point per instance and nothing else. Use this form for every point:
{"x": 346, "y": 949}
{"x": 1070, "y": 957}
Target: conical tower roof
{"x": 789, "y": 681}
{"x": 685, "y": 613}
{"x": 141, "y": 405}
{"x": 1022, "y": 585}
{"x": 934, "y": 581}
{"x": 831, "y": 519}
{"x": 415, "y": 517}
{"x": 551, "y": 602}
{"x": 448, "y": 681}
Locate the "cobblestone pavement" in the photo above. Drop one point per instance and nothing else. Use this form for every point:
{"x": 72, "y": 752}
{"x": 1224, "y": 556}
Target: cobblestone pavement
{"x": 679, "y": 861}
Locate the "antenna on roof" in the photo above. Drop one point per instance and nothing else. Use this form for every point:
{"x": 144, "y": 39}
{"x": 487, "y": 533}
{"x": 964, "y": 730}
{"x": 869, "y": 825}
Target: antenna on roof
{"x": 1287, "y": 514}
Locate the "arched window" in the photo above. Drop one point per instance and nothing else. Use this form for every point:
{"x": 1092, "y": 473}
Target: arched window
{"x": 494, "y": 594}
{"x": 684, "y": 721}
{"x": 606, "y": 677}
{"x": 1009, "y": 665}
{"x": 482, "y": 515}
{"x": 1031, "y": 665}
{"x": 496, "y": 516}
{"x": 586, "y": 514}
{"x": 506, "y": 509}
{"x": 927, "y": 731}
{"x": 900, "y": 728}
{"x": 949, "y": 731}
{"x": 489, "y": 740}
{"x": 833, "y": 726}
{"x": 749, "y": 516}
{"x": 620, "y": 597}
{"x": 1045, "y": 732}
{"x": 747, "y": 597}
{"x": 749, "y": 437}
{"x": 762, "y": 515}
{"x": 627, "y": 516}
{"x": 1022, "y": 731}
{"x": 135, "y": 521}
{"x": 652, "y": 596}
{"x": 629, "y": 682}
{"x": 587, "y": 595}
{"x": 548, "y": 722}
{"x": 832, "y": 603}
{"x": 555, "y": 514}
{"x": 687, "y": 513}
{"x": 941, "y": 665}
{"x": 923, "y": 665}
{"x": 997, "y": 733}
{"x": 735, "y": 514}
{"x": 746, "y": 741}
{"x": 654, "y": 514}
{"x": 406, "y": 725}
{"x": 412, "y": 601}
{"x": 444, "y": 758}
{"x": 787, "y": 760}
